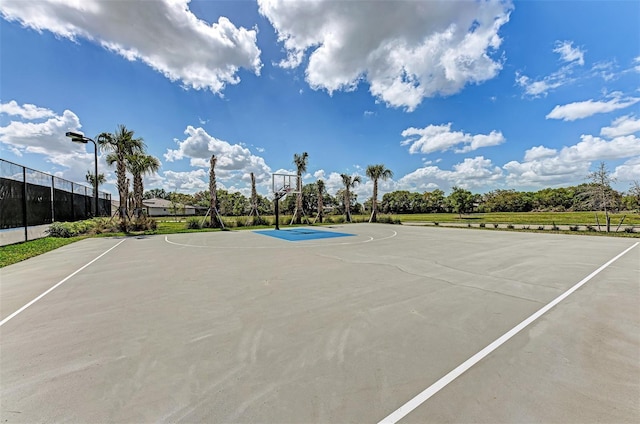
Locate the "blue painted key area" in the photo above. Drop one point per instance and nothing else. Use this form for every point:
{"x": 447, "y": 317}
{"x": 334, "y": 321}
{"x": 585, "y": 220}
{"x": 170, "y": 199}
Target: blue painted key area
{"x": 301, "y": 234}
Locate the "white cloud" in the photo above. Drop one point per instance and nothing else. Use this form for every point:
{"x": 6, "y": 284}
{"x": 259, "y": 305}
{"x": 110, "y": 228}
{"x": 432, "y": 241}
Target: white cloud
{"x": 628, "y": 171}
{"x": 189, "y": 181}
{"x": 580, "y": 110}
{"x": 438, "y": 49}
{"x": 568, "y": 53}
{"x": 26, "y": 111}
{"x": 624, "y": 125}
{"x": 435, "y": 138}
{"x": 164, "y": 34}
{"x": 539, "y": 152}
{"x": 234, "y": 160}
{"x": 572, "y": 56}
{"x": 40, "y": 131}
{"x": 543, "y": 166}
{"x": 45, "y": 138}
{"x": 541, "y": 87}
{"x": 477, "y": 172}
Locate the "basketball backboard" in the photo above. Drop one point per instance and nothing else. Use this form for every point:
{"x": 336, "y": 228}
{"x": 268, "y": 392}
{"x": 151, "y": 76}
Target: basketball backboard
{"x": 284, "y": 183}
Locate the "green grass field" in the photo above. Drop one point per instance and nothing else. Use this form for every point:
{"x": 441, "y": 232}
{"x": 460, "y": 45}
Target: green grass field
{"x": 524, "y": 218}
{"x": 21, "y": 251}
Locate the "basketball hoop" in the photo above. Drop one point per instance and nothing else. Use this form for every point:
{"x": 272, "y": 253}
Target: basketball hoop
{"x": 282, "y": 185}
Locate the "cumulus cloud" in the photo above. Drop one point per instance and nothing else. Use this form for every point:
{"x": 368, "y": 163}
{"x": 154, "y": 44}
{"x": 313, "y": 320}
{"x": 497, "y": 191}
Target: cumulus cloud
{"x": 544, "y": 166}
{"x": 438, "y": 49}
{"x": 164, "y": 34}
{"x": 26, "y": 111}
{"x": 539, "y": 152}
{"x": 188, "y": 181}
{"x": 46, "y": 137}
{"x": 568, "y": 53}
{"x": 580, "y": 110}
{"x": 624, "y": 125}
{"x": 478, "y": 172}
{"x": 628, "y": 171}
{"x": 435, "y": 138}
{"x": 234, "y": 160}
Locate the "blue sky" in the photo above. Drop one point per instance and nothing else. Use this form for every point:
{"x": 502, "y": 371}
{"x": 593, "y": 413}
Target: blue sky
{"x": 483, "y": 95}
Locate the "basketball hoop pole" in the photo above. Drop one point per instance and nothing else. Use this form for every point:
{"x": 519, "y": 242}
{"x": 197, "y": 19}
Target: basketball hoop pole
{"x": 277, "y": 208}
{"x": 281, "y": 184}
{"x": 276, "y": 198}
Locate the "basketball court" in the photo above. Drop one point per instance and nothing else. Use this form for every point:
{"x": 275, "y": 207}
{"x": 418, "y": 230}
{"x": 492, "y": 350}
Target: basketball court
{"x": 360, "y": 323}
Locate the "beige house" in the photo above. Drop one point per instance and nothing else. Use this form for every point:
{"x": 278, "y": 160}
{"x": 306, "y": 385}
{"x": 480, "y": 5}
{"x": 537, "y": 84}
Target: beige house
{"x": 162, "y": 207}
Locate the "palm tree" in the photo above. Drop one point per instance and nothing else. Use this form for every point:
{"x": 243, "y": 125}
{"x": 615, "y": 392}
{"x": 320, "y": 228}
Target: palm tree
{"x": 120, "y": 144}
{"x": 140, "y": 164}
{"x": 300, "y": 162}
{"x": 92, "y": 180}
{"x": 320, "y": 185}
{"x": 349, "y": 183}
{"x": 377, "y": 172}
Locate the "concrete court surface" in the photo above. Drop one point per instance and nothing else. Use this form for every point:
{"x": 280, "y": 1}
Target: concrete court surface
{"x": 240, "y": 327}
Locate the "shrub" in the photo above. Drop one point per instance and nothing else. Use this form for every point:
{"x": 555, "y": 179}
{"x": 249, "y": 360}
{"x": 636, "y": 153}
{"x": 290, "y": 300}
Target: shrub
{"x": 436, "y": 223}
{"x": 59, "y": 229}
{"x": 194, "y": 224}
{"x": 629, "y": 229}
{"x": 141, "y": 223}
{"x": 574, "y": 227}
{"x": 510, "y": 226}
{"x": 590, "y": 228}
{"x": 339, "y": 219}
{"x": 554, "y": 227}
{"x": 258, "y": 220}
{"x": 495, "y": 225}
{"x": 541, "y": 228}
{"x": 386, "y": 219}
{"x": 526, "y": 227}
{"x": 482, "y": 225}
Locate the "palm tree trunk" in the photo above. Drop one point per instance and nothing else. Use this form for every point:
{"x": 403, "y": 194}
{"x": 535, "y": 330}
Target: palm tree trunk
{"x": 137, "y": 194}
{"x": 299, "y": 200}
{"x": 347, "y": 205}
{"x": 374, "y": 202}
{"x": 123, "y": 186}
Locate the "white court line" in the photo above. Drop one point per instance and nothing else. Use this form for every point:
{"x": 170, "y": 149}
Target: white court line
{"x": 292, "y": 246}
{"x": 4, "y": 321}
{"x": 419, "y": 399}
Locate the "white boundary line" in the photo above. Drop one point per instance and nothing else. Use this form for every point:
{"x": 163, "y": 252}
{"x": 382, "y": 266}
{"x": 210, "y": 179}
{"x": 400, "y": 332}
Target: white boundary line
{"x": 419, "y": 399}
{"x": 4, "y": 321}
{"x": 294, "y": 246}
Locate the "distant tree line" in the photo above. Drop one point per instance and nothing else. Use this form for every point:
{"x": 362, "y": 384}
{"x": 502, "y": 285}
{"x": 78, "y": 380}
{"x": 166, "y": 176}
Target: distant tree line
{"x": 583, "y": 197}
{"x": 313, "y": 199}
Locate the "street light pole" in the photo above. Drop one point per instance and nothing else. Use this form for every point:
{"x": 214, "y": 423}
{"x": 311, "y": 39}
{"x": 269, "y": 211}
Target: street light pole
{"x": 80, "y": 138}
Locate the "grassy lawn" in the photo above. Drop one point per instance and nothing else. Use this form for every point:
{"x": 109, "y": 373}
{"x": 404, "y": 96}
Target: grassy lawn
{"x": 21, "y": 251}
{"x": 524, "y": 218}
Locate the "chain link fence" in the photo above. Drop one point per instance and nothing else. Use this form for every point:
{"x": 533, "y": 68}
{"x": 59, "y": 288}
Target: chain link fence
{"x": 30, "y": 199}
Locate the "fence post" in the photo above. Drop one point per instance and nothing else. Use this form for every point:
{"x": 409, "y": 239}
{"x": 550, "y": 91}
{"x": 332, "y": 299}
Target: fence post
{"x": 53, "y": 199}
{"x": 24, "y": 203}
